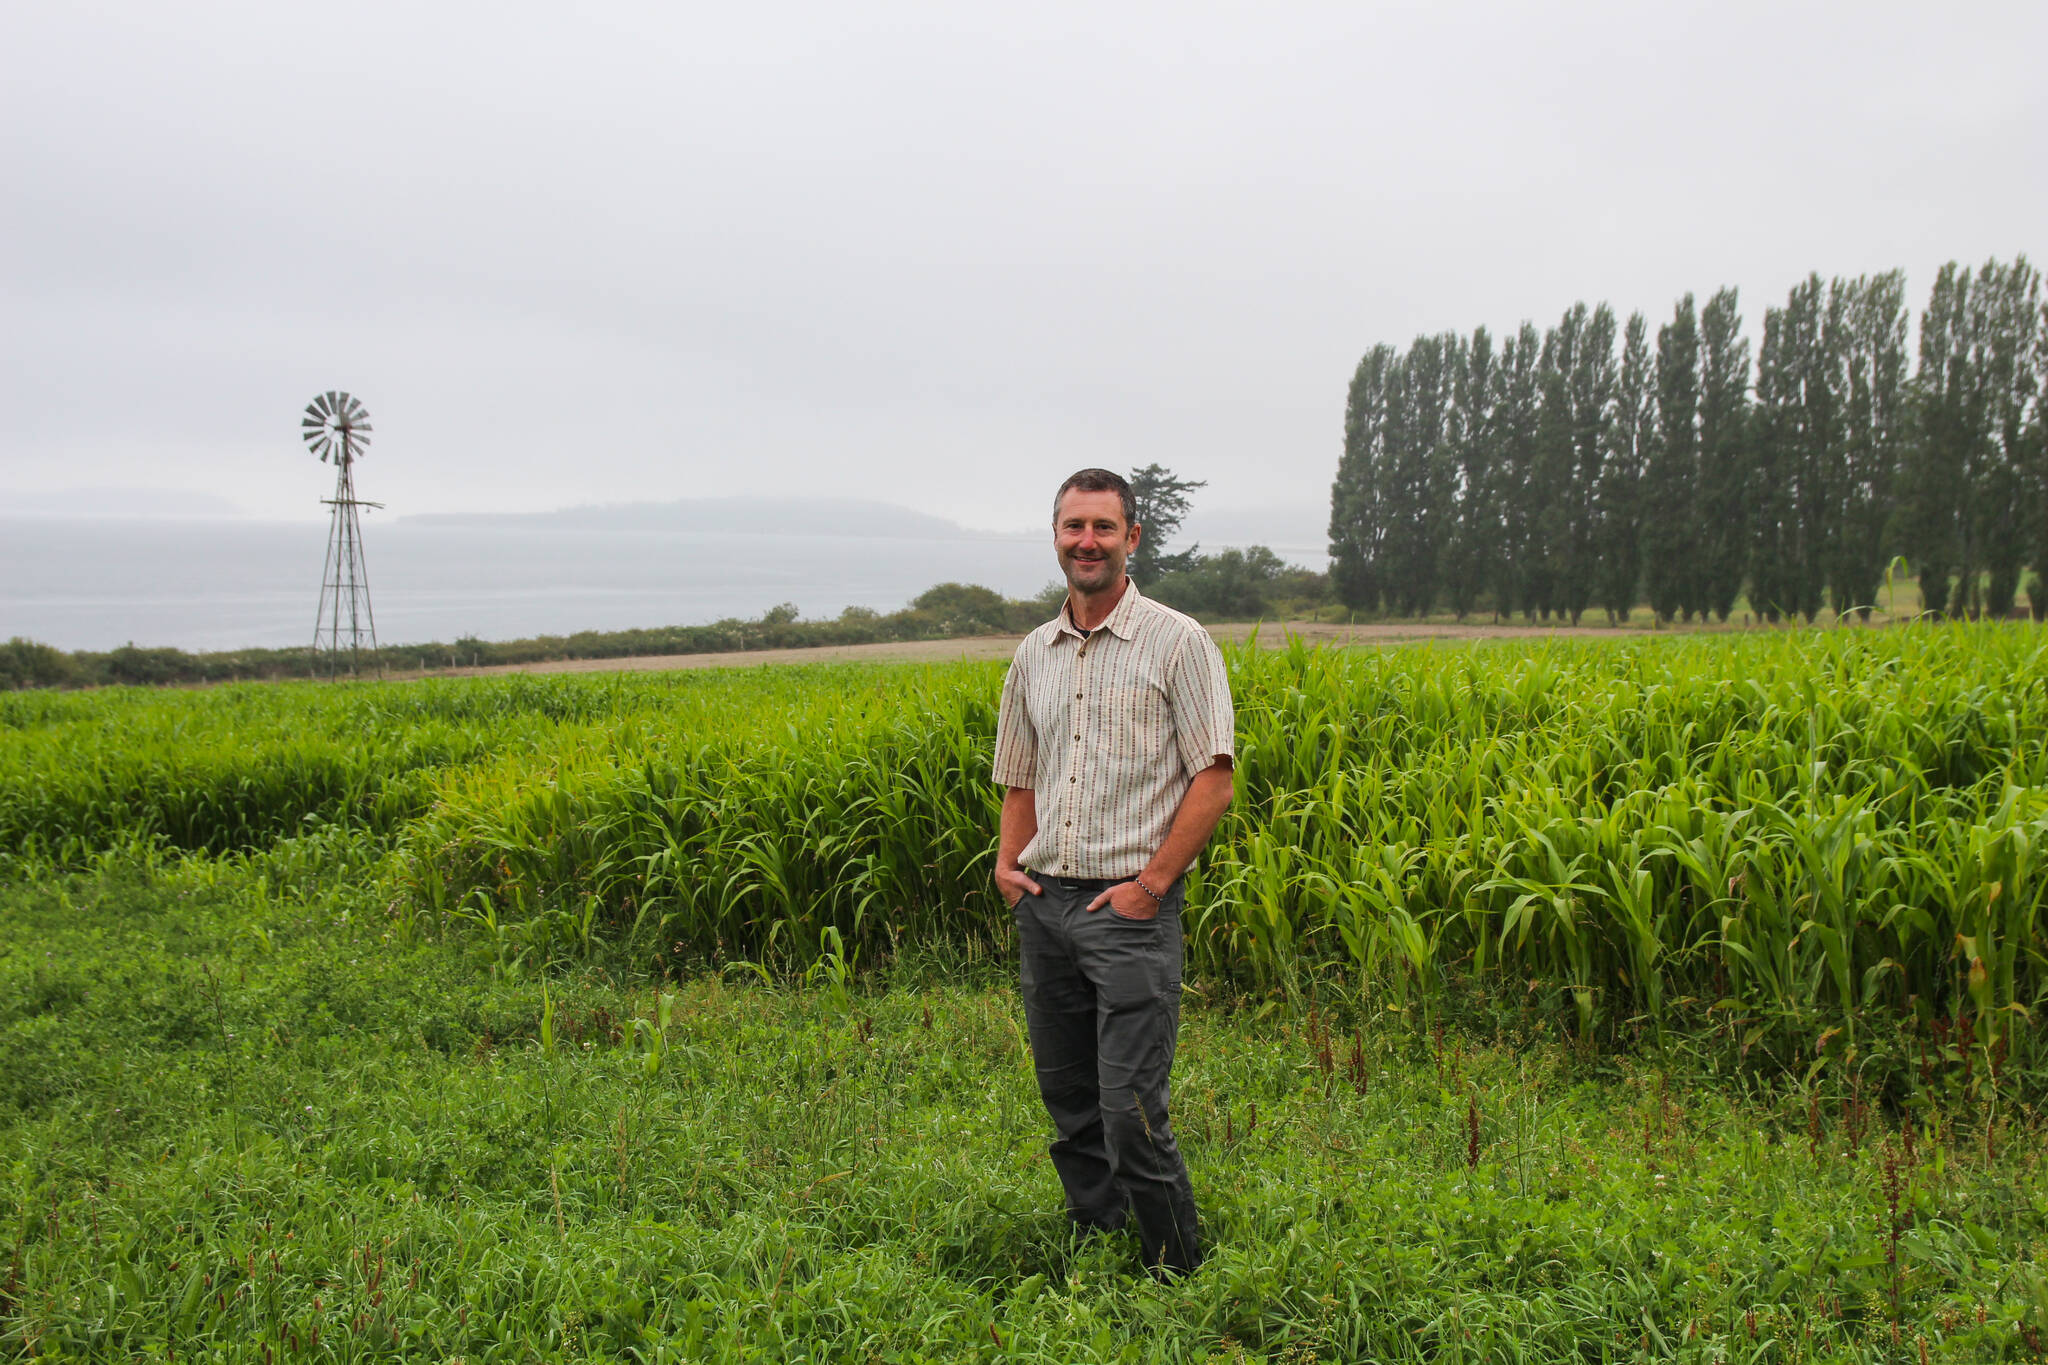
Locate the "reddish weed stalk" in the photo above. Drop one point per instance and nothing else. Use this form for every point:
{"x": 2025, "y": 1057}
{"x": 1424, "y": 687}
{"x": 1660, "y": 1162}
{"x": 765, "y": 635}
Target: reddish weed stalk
{"x": 1892, "y": 1180}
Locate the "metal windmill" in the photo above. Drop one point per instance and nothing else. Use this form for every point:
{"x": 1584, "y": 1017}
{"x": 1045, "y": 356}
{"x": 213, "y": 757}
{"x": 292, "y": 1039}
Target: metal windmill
{"x": 337, "y": 427}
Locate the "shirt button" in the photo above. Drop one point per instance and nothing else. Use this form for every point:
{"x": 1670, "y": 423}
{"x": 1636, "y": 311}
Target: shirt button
{"x": 1073, "y": 779}
{"x": 1076, "y": 736}
{"x": 1077, "y": 696}
{"x": 1070, "y": 824}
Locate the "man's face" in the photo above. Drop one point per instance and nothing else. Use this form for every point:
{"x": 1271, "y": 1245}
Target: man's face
{"x": 1093, "y": 540}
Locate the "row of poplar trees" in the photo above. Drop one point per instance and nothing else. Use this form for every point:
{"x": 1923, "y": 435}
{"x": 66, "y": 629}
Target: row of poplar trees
{"x": 1556, "y": 472}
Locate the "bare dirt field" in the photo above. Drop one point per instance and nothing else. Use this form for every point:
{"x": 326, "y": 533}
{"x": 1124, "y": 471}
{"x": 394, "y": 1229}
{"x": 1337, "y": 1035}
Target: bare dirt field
{"x": 1271, "y": 634}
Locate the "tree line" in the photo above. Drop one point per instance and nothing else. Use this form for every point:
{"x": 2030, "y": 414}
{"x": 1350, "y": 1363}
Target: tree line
{"x": 1590, "y": 466}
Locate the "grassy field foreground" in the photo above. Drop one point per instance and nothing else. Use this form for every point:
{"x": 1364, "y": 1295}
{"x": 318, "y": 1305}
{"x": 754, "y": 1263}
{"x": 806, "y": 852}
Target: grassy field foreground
{"x": 1567, "y": 1001}
{"x": 239, "y": 1120}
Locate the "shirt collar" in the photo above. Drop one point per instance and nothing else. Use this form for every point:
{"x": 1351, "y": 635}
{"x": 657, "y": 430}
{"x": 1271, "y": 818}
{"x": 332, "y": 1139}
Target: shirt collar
{"x": 1118, "y": 622}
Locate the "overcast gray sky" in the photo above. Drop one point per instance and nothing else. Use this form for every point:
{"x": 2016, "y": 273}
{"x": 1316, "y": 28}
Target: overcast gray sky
{"x": 941, "y": 254}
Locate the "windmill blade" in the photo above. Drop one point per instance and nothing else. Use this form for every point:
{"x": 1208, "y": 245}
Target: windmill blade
{"x": 336, "y": 426}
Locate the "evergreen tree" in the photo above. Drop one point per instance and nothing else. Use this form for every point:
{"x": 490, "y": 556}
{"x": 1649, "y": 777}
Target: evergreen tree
{"x": 1162, "y": 502}
{"x": 2005, "y": 309}
{"x": 1931, "y": 511}
{"x": 1873, "y": 432}
{"x": 1357, "y": 523}
{"x": 1515, "y": 411}
{"x": 1618, "y": 517}
{"x": 1821, "y": 455}
{"x": 1725, "y": 456}
{"x": 1400, "y": 482}
{"x": 1772, "y": 560}
{"x": 1799, "y": 416}
{"x": 1475, "y": 523}
{"x": 1418, "y": 473}
{"x": 1550, "y": 476}
{"x": 1592, "y": 384}
{"x": 1671, "y": 478}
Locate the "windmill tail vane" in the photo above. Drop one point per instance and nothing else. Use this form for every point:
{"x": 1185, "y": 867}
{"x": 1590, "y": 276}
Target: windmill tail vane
{"x": 336, "y": 427}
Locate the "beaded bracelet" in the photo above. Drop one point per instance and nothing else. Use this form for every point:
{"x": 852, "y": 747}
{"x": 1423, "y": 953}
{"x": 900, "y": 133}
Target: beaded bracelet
{"x": 1157, "y": 899}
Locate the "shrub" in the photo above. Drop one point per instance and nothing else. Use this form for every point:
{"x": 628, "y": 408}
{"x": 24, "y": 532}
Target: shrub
{"x": 29, "y": 663}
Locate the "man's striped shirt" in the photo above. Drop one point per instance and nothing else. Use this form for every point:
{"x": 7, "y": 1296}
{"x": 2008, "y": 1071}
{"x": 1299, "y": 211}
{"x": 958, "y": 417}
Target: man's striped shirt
{"x": 1108, "y": 729}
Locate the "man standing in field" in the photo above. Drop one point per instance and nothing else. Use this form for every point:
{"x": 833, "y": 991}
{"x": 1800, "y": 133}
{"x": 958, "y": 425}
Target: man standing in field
{"x": 1115, "y": 742}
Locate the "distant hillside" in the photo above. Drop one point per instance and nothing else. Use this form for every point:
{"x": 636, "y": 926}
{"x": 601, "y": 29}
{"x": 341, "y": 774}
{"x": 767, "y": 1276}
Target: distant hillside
{"x": 754, "y": 515}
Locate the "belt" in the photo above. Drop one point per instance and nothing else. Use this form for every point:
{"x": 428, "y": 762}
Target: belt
{"x": 1079, "y": 883}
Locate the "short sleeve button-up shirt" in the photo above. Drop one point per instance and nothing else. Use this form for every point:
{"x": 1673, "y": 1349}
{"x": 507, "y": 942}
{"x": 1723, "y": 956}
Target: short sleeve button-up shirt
{"x": 1108, "y": 729}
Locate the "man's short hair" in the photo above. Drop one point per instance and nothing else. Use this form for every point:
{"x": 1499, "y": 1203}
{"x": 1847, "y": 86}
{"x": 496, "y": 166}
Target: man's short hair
{"x": 1099, "y": 481}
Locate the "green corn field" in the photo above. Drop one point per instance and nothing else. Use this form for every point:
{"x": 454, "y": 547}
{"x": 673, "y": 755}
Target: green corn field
{"x": 1813, "y": 848}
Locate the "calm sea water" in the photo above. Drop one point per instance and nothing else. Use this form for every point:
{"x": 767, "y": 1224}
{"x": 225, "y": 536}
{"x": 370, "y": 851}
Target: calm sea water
{"x": 226, "y": 584}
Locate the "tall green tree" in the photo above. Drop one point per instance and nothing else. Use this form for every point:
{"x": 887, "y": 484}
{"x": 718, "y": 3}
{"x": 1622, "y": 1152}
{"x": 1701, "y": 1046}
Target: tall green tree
{"x": 1874, "y": 430}
{"x": 1357, "y": 518}
{"x": 1770, "y": 520}
{"x": 1516, "y": 408}
{"x": 1724, "y": 454}
{"x": 1616, "y": 499}
{"x": 1799, "y": 413}
{"x": 1591, "y": 387}
{"x": 1162, "y": 502}
{"x": 2005, "y": 325}
{"x": 1475, "y": 522}
{"x": 1931, "y": 514}
{"x": 1418, "y": 472}
{"x": 1548, "y": 562}
{"x": 1670, "y": 486}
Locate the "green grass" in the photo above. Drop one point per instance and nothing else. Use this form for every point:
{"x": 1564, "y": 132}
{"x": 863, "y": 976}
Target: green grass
{"x": 1648, "y": 999}
{"x": 245, "y": 1124}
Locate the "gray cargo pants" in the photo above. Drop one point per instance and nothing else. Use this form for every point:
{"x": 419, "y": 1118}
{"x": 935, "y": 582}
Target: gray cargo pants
{"x": 1102, "y": 999}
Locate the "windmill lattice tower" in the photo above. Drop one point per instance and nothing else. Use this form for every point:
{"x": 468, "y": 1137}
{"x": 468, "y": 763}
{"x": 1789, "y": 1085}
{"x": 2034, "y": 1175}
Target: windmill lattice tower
{"x": 337, "y": 427}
